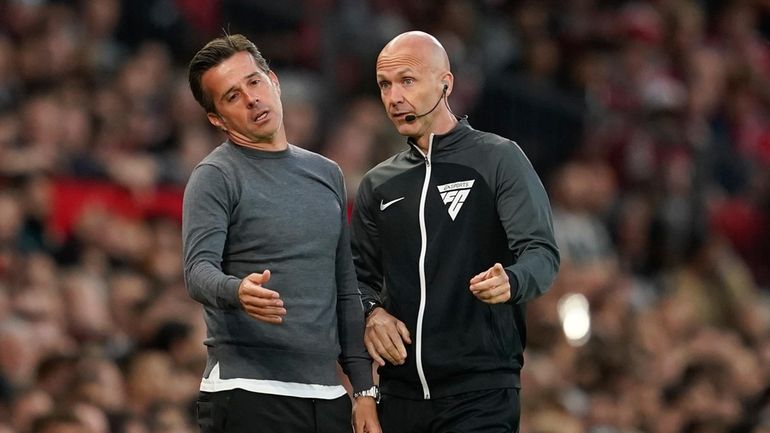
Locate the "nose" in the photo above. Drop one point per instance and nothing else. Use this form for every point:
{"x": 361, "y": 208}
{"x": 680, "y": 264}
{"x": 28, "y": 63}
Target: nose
{"x": 395, "y": 95}
{"x": 252, "y": 99}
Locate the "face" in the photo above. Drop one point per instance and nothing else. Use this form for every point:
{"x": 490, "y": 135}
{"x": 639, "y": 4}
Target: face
{"x": 247, "y": 101}
{"x": 408, "y": 85}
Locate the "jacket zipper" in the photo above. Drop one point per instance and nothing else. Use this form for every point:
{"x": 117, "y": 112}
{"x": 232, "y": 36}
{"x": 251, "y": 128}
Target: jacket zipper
{"x": 423, "y": 284}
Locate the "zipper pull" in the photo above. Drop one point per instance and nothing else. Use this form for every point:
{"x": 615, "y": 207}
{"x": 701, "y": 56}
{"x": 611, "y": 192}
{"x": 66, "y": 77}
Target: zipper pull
{"x": 427, "y": 161}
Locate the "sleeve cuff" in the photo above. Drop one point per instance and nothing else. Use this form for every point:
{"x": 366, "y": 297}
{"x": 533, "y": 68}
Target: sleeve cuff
{"x": 229, "y": 296}
{"x": 514, "y": 282}
{"x": 361, "y": 380}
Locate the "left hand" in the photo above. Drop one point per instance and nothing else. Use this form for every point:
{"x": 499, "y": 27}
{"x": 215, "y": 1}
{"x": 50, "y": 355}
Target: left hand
{"x": 365, "y": 415}
{"x": 492, "y": 286}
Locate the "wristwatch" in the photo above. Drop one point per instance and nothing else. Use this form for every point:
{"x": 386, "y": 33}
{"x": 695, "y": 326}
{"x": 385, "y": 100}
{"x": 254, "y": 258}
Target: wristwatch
{"x": 369, "y": 306}
{"x": 373, "y": 392}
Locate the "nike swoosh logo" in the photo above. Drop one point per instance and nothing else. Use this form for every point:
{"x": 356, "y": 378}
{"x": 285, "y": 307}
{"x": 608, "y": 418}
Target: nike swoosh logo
{"x": 384, "y": 206}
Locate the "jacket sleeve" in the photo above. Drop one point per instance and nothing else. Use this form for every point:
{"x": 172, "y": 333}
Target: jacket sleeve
{"x": 366, "y": 250}
{"x": 525, "y": 213}
{"x": 354, "y": 359}
{"x": 205, "y": 218}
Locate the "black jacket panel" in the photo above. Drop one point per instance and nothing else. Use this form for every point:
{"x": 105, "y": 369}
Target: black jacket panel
{"x": 483, "y": 203}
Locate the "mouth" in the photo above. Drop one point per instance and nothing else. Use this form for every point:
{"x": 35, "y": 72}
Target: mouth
{"x": 262, "y": 115}
{"x": 399, "y": 115}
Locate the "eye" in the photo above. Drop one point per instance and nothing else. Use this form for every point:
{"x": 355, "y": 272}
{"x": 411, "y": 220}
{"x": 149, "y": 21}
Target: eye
{"x": 408, "y": 81}
{"x": 254, "y": 82}
{"x": 232, "y": 97}
{"x": 384, "y": 85}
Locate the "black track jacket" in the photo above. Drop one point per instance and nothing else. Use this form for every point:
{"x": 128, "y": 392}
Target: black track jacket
{"x": 422, "y": 227}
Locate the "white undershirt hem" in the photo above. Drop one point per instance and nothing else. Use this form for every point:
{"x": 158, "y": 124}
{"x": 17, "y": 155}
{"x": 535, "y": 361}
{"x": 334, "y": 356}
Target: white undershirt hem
{"x": 288, "y": 389}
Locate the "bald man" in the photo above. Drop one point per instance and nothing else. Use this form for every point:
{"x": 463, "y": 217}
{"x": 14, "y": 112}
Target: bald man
{"x": 451, "y": 237}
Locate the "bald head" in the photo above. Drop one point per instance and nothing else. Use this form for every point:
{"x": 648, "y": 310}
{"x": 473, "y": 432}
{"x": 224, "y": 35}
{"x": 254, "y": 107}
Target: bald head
{"x": 418, "y": 49}
{"x": 414, "y": 77}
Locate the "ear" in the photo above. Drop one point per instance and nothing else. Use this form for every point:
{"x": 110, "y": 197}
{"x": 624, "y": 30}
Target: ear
{"x": 448, "y": 80}
{"x": 217, "y": 121}
{"x": 274, "y": 79}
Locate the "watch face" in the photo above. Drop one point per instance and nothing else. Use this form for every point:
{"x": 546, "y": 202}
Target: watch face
{"x": 370, "y": 305}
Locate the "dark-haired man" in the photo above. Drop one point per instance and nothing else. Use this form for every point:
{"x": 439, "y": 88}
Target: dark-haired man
{"x": 266, "y": 251}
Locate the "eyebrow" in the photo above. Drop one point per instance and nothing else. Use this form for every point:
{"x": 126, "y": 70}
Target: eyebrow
{"x": 400, "y": 72}
{"x": 247, "y": 77}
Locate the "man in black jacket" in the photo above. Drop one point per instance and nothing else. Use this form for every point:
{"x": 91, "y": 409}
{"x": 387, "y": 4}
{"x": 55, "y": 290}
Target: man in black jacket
{"x": 451, "y": 238}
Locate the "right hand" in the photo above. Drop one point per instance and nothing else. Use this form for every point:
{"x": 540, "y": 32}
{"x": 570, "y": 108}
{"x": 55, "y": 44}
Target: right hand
{"x": 259, "y": 302}
{"x": 365, "y": 415}
{"x": 385, "y": 337}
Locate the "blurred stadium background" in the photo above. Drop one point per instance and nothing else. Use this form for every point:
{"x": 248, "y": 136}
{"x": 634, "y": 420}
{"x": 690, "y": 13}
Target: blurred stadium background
{"x": 648, "y": 121}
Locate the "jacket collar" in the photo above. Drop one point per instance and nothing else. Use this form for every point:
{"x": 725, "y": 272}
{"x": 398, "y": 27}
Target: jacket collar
{"x": 451, "y": 139}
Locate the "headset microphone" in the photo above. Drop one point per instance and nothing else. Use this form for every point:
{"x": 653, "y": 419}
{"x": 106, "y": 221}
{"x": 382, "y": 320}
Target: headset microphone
{"x": 412, "y": 117}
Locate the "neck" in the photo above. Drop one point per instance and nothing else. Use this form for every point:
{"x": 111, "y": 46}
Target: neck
{"x": 442, "y": 123}
{"x": 275, "y": 143}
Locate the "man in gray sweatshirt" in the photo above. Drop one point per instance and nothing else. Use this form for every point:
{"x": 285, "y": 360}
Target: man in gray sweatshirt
{"x": 266, "y": 251}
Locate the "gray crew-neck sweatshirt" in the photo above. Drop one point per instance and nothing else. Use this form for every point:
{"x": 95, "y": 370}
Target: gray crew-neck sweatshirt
{"x": 246, "y": 211}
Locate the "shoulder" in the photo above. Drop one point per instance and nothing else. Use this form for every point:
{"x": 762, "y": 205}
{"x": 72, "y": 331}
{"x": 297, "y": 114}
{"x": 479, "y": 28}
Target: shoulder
{"x": 390, "y": 167}
{"x": 221, "y": 158}
{"x": 498, "y": 148}
{"x": 492, "y": 142}
{"x": 312, "y": 159}
{"x": 498, "y": 158}
{"x": 377, "y": 175}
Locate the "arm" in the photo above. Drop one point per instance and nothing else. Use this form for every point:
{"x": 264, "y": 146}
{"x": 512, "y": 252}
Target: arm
{"x": 366, "y": 249}
{"x": 205, "y": 221}
{"x": 354, "y": 359}
{"x": 385, "y": 335}
{"x": 525, "y": 213}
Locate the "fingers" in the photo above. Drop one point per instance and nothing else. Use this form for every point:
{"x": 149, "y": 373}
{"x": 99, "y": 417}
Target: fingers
{"x": 404, "y": 333}
{"x": 259, "y": 297}
{"x": 491, "y": 286}
{"x": 373, "y": 352}
{"x": 275, "y": 320}
{"x": 266, "y": 313}
{"x": 494, "y": 295}
{"x": 268, "y": 310}
{"x": 382, "y": 342}
{"x": 259, "y": 302}
{"x": 258, "y": 278}
{"x": 478, "y": 278}
{"x": 395, "y": 351}
{"x": 488, "y": 279}
{"x": 487, "y": 291}
{"x": 384, "y": 338}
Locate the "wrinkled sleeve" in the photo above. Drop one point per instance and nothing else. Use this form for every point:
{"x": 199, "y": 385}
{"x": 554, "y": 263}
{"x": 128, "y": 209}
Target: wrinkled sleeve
{"x": 354, "y": 359}
{"x": 525, "y": 213}
{"x": 366, "y": 250}
{"x": 205, "y": 220}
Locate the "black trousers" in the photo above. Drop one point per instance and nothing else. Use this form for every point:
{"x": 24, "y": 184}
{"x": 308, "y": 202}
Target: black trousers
{"x": 240, "y": 411}
{"x": 488, "y": 411}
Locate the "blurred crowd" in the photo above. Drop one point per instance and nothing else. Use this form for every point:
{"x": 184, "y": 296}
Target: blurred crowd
{"x": 648, "y": 121}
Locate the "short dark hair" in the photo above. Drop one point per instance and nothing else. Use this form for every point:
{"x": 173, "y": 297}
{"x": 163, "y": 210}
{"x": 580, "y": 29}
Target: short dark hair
{"x": 214, "y": 53}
